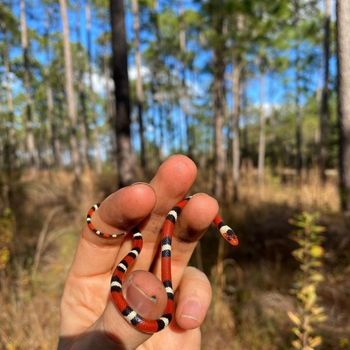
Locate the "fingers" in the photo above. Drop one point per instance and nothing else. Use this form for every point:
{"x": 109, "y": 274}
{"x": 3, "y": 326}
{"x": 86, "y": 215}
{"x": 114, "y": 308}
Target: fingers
{"x": 146, "y": 295}
{"x": 193, "y": 222}
{"x": 171, "y": 183}
{"x": 148, "y": 298}
{"x": 121, "y": 211}
{"x": 196, "y": 217}
{"x": 193, "y": 299}
{"x": 118, "y": 213}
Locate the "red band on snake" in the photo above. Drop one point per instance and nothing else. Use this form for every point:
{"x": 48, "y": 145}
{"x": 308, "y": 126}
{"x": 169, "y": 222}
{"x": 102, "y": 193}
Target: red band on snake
{"x": 131, "y": 316}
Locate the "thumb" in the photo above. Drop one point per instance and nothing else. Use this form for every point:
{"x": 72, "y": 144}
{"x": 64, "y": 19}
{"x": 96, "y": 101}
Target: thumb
{"x": 146, "y": 295}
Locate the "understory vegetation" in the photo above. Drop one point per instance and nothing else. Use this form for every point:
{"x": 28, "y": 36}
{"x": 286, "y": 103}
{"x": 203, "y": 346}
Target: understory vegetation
{"x": 252, "y": 284}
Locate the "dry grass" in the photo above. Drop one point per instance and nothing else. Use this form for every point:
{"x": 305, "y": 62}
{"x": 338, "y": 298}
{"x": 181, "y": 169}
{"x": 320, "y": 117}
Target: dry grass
{"x": 252, "y": 296}
{"x": 29, "y": 297}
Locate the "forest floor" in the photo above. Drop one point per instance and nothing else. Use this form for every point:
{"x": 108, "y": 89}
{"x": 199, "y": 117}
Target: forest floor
{"x": 252, "y": 292}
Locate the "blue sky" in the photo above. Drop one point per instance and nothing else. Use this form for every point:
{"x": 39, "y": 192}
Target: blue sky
{"x": 279, "y": 86}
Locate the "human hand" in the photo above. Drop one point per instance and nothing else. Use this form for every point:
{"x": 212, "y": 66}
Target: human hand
{"x": 89, "y": 319}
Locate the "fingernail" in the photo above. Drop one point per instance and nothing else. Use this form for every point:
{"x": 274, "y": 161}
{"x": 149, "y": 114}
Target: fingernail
{"x": 141, "y": 302}
{"x": 140, "y": 183}
{"x": 191, "y": 309}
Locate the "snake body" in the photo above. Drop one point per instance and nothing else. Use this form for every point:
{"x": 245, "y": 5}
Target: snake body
{"x": 136, "y": 320}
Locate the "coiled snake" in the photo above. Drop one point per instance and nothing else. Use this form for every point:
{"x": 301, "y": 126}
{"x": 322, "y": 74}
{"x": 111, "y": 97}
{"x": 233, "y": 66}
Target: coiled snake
{"x": 140, "y": 323}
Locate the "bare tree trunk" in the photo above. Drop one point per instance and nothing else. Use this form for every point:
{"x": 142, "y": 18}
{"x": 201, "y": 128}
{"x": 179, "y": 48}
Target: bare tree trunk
{"x": 93, "y": 131}
{"x": 10, "y": 144}
{"x": 262, "y": 136}
{"x": 52, "y": 124}
{"x": 236, "y": 111}
{"x": 298, "y": 116}
{"x": 89, "y": 41}
{"x": 343, "y": 53}
{"x": 219, "y": 109}
{"x": 83, "y": 122}
{"x": 161, "y": 127}
{"x": 125, "y": 157}
{"x": 51, "y": 127}
{"x": 71, "y": 102}
{"x": 324, "y": 115}
{"x": 139, "y": 84}
{"x": 245, "y": 134}
{"x": 30, "y": 141}
{"x": 184, "y": 92}
{"x": 110, "y": 106}
{"x": 55, "y": 143}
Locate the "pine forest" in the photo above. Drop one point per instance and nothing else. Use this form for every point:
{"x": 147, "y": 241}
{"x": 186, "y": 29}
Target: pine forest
{"x": 255, "y": 95}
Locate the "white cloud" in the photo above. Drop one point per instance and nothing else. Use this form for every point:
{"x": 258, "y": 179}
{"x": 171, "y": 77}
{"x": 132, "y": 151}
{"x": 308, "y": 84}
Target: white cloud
{"x": 145, "y": 72}
{"x": 99, "y": 82}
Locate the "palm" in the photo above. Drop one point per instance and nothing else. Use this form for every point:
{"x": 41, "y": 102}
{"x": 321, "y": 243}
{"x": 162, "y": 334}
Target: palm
{"x": 86, "y": 305}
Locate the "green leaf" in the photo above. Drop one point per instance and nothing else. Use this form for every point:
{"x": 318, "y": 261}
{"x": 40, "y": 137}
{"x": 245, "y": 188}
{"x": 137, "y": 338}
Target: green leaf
{"x": 317, "y": 251}
{"x": 316, "y": 341}
{"x": 297, "y": 344}
{"x": 294, "y": 318}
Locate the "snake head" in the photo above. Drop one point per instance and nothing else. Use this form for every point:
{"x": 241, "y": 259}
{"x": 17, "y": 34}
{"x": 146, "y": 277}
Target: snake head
{"x": 228, "y": 234}
{"x": 231, "y": 238}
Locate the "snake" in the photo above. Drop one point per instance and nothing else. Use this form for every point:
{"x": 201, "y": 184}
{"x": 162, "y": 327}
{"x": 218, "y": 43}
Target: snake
{"x": 142, "y": 324}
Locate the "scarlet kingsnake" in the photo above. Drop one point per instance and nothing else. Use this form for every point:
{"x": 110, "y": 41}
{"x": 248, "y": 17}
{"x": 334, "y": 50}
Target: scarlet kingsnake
{"x": 140, "y": 323}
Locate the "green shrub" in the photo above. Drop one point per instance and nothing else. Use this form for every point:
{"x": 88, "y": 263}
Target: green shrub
{"x": 6, "y": 235}
{"x": 309, "y": 254}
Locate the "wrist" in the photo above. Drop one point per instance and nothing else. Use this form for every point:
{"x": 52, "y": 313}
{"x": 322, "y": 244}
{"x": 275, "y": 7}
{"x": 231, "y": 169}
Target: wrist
{"x": 95, "y": 338}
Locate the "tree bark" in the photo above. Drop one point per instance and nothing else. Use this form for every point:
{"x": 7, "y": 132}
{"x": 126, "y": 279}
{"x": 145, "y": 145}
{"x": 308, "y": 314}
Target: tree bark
{"x": 245, "y": 133}
{"x": 30, "y": 141}
{"x": 53, "y": 133}
{"x": 52, "y": 128}
{"x": 83, "y": 118}
{"x": 184, "y": 90}
{"x": 219, "y": 108}
{"x": 71, "y": 102}
{"x": 343, "y": 55}
{"x": 94, "y": 135}
{"x": 110, "y": 107}
{"x": 262, "y": 135}
{"x": 298, "y": 116}
{"x": 236, "y": 111}
{"x": 121, "y": 81}
{"x": 324, "y": 115}
{"x": 139, "y": 84}
{"x": 10, "y": 142}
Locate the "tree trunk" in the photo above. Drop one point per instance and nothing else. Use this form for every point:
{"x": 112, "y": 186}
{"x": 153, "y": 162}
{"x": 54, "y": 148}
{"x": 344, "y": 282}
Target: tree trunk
{"x": 52, "y": 125}
{"x": 93, "y": 131}
{"x": 343, "y": 55}
{"x": 71, "y": 103}
{"x": 236, "y": 111}
{"x": 83, "y": 122}
{"x": 110, "y": 107}
{"x": 324, "y": 115}
{"x": 298, "y": 116}
{"x": 262, "y": 136}
{"x": 139, "y": 84}
{"x": 10, "y": 143}
{"x": 54, "y": 140}
{"x": 184, "y": 91}
{"x": 30, "y": 141}
{"x": 245, "y": 134}
{"x": 298, "y": 131}
{"x": 121, "y": 81}
{"x": 219, "y": 109}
